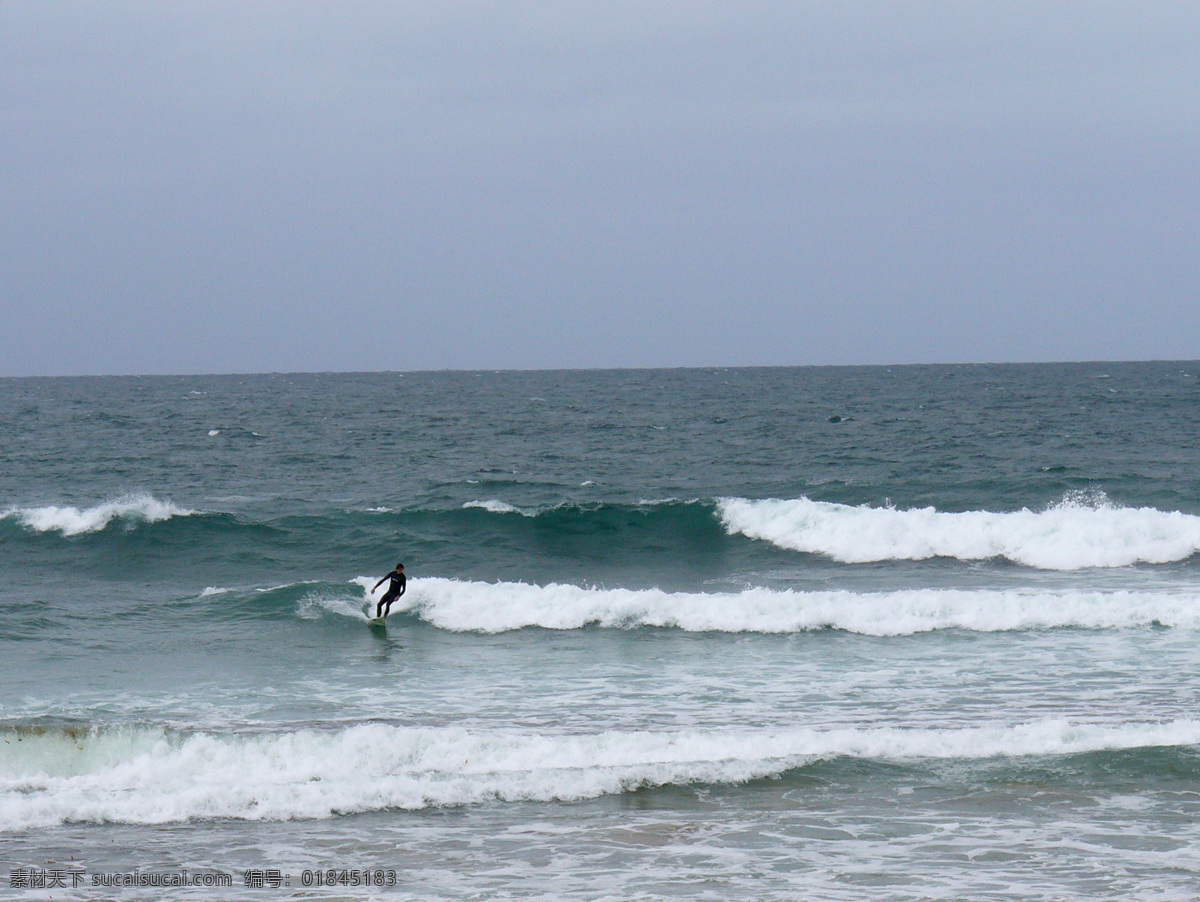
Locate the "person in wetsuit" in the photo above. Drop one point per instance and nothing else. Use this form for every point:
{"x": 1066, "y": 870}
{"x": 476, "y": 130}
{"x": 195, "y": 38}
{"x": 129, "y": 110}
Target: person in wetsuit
{"x": 394, "y": 591}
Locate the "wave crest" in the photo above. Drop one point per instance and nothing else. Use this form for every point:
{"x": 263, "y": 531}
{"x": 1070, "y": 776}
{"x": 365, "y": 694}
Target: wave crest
{"x": 494, "y": 506}
{"x": 149, "y": 775}
{"x": 1078, "y": 532}
{"x": 467, "y": 606}
{"x": 73, "y": 521}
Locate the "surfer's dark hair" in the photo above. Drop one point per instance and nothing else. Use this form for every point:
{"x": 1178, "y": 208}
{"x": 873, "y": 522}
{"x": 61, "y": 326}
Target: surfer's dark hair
{"x": 399, "y": 566}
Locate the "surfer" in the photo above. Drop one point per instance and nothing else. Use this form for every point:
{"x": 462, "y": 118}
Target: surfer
{"x": 394, "y": 590}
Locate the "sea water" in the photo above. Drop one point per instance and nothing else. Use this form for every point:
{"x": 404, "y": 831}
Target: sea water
{"x": 903, "y": 633}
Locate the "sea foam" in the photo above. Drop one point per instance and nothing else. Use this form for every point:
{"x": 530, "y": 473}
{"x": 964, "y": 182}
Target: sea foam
{"x": 73, "y": 521}
{"x": 1071, "y": 535}
{"x": 494, "y": 506}
{"x": 146, "y": 775}
{"x": 471, "y": 606}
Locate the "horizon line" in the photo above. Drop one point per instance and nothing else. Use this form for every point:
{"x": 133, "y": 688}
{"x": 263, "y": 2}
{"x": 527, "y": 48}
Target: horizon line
{"x": 602, "y": 369}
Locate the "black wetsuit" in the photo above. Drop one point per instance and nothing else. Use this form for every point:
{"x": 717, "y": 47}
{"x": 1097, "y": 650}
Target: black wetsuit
{"x": 394, "y": 591}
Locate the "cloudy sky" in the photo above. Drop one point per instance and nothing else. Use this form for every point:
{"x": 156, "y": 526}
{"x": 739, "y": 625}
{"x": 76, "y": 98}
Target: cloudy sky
{"x": 241, "y": 187}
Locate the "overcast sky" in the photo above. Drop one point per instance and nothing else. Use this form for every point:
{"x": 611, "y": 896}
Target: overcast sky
{"x": 242, "y": 187}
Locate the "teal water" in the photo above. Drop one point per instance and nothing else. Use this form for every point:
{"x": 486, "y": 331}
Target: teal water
{"x": 925, "y": 632}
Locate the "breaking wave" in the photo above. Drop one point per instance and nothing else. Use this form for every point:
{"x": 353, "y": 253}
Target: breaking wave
{"x": 1077, "y": 533}
{"x": 1074, "y": 534}
{"x": 467, "y": 606}
{"x": 73, "y": 521}
{"x": 148, "y": 775}
{"x": 496, "y": 507}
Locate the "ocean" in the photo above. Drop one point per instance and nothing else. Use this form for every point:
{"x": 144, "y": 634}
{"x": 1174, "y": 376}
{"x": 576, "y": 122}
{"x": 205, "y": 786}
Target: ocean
{"x": 900, "y": 633}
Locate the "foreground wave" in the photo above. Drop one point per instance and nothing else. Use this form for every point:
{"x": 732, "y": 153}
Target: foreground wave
{"x": 466, "y": 606}
{"x": 1079, "y": 532}
{"x": 54, "y": 775}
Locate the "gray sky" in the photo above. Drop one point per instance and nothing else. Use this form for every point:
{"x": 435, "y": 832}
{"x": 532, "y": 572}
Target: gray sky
{"x": 239, "y": 187}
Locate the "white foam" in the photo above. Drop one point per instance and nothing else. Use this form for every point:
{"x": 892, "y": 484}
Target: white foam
{"x": 315, "y": 605}
{"x": 72, "y": 521}
{"x": 365, "y": 610}
{"x": 213, "y": 590}
{"x": 1077, "y": 533}
{"x": 496, "y": 607}
{"x": 148, "y": 776}
{"x": 494, "y": 506}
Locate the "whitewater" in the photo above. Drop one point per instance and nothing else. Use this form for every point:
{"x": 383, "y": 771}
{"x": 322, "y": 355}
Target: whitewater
{"x": 495, "y": 607}
{"x": 145, "y": 776}
{"x": 1070, "y": 535}
{"x": 72, "y": 521}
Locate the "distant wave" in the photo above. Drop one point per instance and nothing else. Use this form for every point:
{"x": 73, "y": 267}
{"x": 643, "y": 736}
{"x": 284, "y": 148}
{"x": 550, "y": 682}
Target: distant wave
{"x": 1077, "y": 533}
{"x": 496, "y": 507}
{"x": 1074, "y": 534}
{"x": 467, "y": 606}
{"x": 641, "y": 509}
{"x": 147, "y": 775}
{"x": 73, "y": 521}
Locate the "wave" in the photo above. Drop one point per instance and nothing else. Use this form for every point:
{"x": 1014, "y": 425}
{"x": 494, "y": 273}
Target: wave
{"x": 148, "y": 775}
{"x": 1078, "y": 532}
{"x": 676, "y": 531}
{"x": 73, "y": 521}
{"x": 496, "y": 507}
{"x": 467, "y": 606}
{"x": 305, "y": 599}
